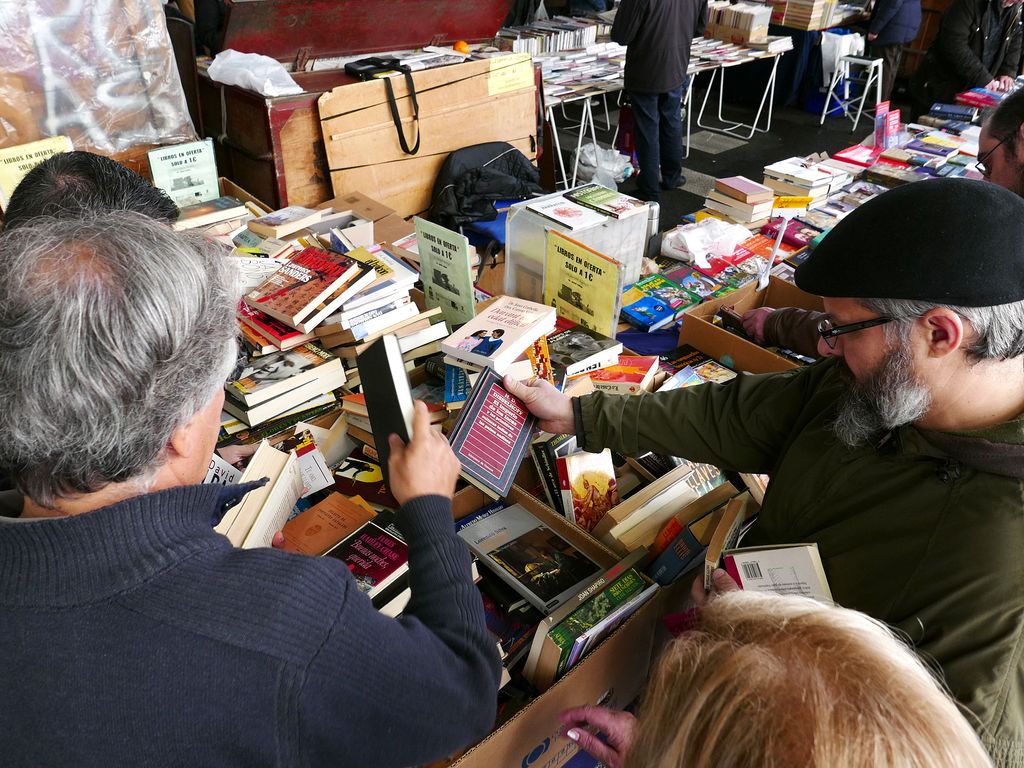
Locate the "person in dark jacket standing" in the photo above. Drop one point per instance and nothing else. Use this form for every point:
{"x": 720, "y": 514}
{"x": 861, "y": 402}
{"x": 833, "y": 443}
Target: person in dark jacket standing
{"x": 978, "y": 46}
{"x": 658, "y": 35}
{"x": 894, "y": 23}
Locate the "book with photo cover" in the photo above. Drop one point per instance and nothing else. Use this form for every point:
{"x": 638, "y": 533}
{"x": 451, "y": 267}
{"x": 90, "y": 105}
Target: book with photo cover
{"x": 529, "y": 557}
{"x": 272, "y": 375}
{"x": 298, "y": 288}
{"x": 492, "y": 435}
{"x": 576, "y": 349}
{"x": 500, "y": 333}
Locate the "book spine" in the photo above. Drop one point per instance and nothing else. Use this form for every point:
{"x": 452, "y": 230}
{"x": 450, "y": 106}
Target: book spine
{"x": 565, "y": 490}
{"x": 683, "y": 552}
{"x": 548, "y": 475}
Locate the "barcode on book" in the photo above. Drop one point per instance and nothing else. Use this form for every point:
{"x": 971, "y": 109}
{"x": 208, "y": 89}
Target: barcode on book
{"x": 752, "y": 570}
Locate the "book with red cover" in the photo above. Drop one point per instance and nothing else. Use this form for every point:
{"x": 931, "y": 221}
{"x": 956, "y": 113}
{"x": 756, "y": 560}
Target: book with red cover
{"x": 492, "y": 435}
{"x": 280, "y": 335}
{"x": 377, "y": 557}
{"x": 298, "y": 288}
{"x": 859, "y": 154}
{"x": 797, "y": 234}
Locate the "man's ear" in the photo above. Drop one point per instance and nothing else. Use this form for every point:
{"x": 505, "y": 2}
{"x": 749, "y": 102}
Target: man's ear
{"x": 944, "y": 331}
{"x": 183, "y": 440}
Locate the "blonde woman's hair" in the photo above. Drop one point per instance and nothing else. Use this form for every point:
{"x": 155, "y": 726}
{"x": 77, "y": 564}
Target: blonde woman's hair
{"x": 773, "y": 682}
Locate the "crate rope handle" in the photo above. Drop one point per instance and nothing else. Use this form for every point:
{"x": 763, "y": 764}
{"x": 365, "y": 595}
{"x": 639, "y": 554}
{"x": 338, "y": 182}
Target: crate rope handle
{"x": 393, "y": 106}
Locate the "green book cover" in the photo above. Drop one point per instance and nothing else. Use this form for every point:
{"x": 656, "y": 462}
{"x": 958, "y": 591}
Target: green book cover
{"x": 445, "y": 271}
{"x": 593, "y": 611}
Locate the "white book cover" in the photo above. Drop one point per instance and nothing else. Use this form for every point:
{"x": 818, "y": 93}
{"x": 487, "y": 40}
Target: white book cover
{"x": 567, "y": 213}
{"x": 790, "y": 570}
{"x": 500, "y": 333}
{"x": 186, "y": 172}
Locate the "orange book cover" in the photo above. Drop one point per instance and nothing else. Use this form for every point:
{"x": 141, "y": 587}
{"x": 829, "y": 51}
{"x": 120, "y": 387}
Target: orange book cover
{"x": 323, "y": 525}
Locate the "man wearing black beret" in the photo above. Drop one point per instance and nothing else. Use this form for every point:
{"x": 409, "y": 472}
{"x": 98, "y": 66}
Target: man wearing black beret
{"x": 901, "y": 453}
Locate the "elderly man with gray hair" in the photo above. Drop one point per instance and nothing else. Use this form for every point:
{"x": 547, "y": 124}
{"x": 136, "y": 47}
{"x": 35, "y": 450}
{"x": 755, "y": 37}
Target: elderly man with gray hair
{"x": 132, "y": 633}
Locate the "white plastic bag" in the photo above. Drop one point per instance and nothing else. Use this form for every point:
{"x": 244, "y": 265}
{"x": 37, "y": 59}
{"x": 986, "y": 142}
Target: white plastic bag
{"x": 254, "y": 71}
{"x": 606, "y": 167}
{"x": 695, "y": 242}
{"x": 833, "y": 46}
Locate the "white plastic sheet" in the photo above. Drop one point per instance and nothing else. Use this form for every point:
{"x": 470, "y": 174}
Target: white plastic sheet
{"x": 696, "y": 242}
{"x": 606, "y": 167}
{"x": 101, "y": 72}
{"x": 254, "y": 71}
{"x": 833, "y": 46}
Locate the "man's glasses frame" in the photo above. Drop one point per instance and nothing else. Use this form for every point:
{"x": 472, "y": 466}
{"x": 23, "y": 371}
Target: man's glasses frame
{"x": 829, "y": 332}
{"x": 982, "y": 162}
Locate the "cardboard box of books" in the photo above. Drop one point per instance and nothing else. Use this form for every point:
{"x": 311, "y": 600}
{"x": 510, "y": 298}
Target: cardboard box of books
{"x": 738, "y": 353}
{"x": 611, "y": 675}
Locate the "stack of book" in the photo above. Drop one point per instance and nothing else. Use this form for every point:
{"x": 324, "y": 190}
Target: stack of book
{"x": 358, "y": 418}
{"x": 559, "y": 33}
{"x": 655, "y": 301}
{"x": 738, "y": 23}
{"x": 798, "y": 177}
{"x": 281, "y": 383}
{"x": 740, "y": 200}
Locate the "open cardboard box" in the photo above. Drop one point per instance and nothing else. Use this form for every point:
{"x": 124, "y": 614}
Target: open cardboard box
{"x": 612, "y": 674}
{"x": 732, "y": 350}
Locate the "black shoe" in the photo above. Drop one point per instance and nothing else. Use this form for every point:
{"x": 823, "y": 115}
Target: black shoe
{"x": 679, "y": 185}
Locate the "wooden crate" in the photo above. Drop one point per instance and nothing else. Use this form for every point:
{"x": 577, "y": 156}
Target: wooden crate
{"x": 464, "y": 104}
{"x": 273, "y": 146}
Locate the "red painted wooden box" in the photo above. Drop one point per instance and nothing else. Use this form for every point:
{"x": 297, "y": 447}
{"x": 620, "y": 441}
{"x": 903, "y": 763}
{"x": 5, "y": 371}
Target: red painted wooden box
{"x": 273, "y": 147}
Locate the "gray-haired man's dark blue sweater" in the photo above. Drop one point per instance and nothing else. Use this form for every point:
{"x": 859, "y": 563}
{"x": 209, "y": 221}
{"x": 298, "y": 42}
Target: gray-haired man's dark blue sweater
{"x": 136, "y": 636}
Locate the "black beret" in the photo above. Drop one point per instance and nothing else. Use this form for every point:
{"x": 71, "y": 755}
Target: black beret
{"x": 948, "y": 241}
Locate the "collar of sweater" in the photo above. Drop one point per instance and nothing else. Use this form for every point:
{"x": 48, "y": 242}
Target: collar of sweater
{"x": 68, "y": 561}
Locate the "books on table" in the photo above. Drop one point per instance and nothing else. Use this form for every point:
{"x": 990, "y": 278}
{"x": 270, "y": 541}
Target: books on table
{"x": 606, "y": 201}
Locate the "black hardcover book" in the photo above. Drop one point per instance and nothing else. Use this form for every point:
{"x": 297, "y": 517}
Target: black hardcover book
{"x": 386, "y": 389}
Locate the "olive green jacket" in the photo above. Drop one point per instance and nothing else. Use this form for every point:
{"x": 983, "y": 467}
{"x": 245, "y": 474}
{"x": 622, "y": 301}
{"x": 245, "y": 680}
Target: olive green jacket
{"x": 929, "y": 541}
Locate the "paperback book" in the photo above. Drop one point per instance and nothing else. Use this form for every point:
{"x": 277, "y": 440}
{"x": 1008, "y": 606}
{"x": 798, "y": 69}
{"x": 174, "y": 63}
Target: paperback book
{"x": 271, "y": 375}
{"x": 377, "y": 557}
{"x": 536, "y": 562}
{"x": 570, "y": 215}
{"x": 583, "y": 286}
{"x": 492, "y": 435}
{"x": 445, "y": 269}
{"x": 589, "y": 488}
{"x": 607, "y": 201}
{"x": 297, "y": 289}
{"x": 576, "y": 349}
{"x": 500, "y": 333}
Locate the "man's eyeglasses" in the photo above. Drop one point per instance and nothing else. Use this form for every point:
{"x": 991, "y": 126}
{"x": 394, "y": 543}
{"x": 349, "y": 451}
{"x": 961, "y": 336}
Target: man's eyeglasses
{"x": 829, "y": 332}
{"x": 983, "y": 159}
